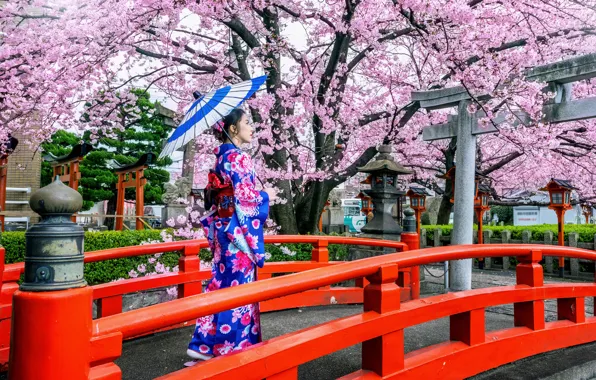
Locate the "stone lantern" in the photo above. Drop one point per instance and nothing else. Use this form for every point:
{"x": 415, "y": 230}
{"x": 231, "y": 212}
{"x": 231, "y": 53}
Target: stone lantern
{"x": 384, "y": 193}
{"x": 559, "y": 191}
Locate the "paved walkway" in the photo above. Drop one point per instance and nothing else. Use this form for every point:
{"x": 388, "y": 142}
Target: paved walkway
{"x": 159, "y": 354}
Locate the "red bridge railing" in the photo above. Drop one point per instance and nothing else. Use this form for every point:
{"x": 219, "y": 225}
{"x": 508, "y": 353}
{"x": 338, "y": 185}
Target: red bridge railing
{"x": 381, "y": 325}
{"x": 190, "y": 276}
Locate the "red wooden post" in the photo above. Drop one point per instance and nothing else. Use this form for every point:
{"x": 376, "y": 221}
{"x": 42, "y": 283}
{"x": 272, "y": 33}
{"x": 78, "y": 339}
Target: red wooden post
{"x": 529, "y": 272}
{"x": 109, "y": 306}
{"x": 190, "y": 262}
{"x": 561, "y": 238}
{"x": 384, "y": 354}
{"x": 141, "y": 181}
{"x": 125, "y": 180}
{"x": 479, "y": 214}
{"x": 120, "y": 203}
{"x": 572, "y": 309}
{"x": 468, "y": 327}
{"x": 320, "y": 251}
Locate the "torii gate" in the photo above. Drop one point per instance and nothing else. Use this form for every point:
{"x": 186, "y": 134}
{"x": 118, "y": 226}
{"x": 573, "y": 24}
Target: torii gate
{"x": 131, "y": 175}
{"x": 559, "y": 77}
{"x": 8, "y": 149}
{"x": 67, "y": 167}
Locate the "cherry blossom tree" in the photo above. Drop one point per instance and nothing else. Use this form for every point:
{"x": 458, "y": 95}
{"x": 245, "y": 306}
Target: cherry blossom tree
{"x": 340, "y": 74}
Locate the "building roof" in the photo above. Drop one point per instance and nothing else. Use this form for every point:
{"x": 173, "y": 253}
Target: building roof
{"x": 560, "y": 183}
{"x": 418, "y": 191}
{"x": 79, "y": 150}
{"x": 145, "y": 160}
{"x": 484, "y": 188}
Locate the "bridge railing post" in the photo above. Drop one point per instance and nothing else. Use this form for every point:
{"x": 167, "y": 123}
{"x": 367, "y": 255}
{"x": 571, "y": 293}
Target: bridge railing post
{"x": 190, "y": 262}
{"x": 8, "y": 287}
{"x": 384, "y": 354}
{"x": 51, "y": 317}
{"x": 320, "y": 254}
{"x": 529, "y": 272}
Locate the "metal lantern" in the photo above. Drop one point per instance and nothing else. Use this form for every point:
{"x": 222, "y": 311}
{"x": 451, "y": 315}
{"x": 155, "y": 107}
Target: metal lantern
{"x": 559, "y": 191}
{"x": 54, "y": 246}
{"x": 417, "y": 197}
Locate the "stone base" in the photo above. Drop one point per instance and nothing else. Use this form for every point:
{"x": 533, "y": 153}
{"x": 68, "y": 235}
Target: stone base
{"x": 357, "y": 252}
{"x": 172, "y": 211}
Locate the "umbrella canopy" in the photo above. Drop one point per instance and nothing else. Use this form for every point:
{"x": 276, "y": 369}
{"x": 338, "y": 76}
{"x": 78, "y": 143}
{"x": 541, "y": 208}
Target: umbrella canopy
{"x": 208, "y": 110}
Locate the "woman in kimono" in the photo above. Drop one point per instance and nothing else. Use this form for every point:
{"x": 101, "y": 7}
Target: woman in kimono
{"x": 234, "y": 229}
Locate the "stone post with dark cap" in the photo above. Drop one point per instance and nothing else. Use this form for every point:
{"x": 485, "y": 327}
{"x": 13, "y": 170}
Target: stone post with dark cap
{"x": 384, "y": 193}
{"x": 51, "y": 320}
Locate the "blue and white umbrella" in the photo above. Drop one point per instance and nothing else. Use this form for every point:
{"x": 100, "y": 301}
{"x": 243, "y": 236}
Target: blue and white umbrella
{"x": 208, "y": 110}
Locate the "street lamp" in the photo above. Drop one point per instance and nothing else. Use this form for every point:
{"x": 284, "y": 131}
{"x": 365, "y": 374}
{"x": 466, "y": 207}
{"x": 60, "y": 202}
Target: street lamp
{"x": 417, "y": 197}
{"x": 560, "y": 201}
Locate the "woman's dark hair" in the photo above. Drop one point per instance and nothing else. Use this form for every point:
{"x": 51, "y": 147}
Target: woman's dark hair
{"x": 233, "y": 118}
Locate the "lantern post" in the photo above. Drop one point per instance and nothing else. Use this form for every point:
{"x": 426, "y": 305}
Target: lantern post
{"x": 53, "y": 302}
{"x": 417, "y": 197}
{"x": 480, "y": 207}
{"x": 560, "y": 201}
{"x": 587, "y": 211}
{"x": 367, "y": 207}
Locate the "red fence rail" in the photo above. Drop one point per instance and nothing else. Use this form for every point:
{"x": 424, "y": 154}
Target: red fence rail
{"x": 190, "y": 276}
{"x": 380, "y": 327}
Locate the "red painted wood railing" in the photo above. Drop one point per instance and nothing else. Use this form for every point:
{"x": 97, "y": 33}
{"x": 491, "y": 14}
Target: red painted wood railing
{"x": 380, "y": 327}
{"x": 190, "y": 275}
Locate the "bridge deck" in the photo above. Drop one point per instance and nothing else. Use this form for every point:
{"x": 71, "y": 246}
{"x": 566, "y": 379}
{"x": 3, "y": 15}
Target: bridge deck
{"x": 159, "y": 354}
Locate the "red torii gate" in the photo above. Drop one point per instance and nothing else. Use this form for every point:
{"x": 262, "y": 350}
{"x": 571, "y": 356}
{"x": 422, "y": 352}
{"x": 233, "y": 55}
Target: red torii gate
{"x": 131, "y": 175}
{"x": 67, "y": 167}
{"x": 11, "y": 145}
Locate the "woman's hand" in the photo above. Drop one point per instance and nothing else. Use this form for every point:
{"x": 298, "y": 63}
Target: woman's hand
{"x": 272, "y": 193}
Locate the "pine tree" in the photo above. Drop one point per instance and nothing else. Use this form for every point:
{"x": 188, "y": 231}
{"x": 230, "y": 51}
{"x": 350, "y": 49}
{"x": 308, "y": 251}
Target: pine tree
{"x": 143, "y": 131}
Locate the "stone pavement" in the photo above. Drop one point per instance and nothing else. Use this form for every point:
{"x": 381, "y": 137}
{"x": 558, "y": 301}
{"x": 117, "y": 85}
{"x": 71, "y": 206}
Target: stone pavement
{"x": 159, "y": 354}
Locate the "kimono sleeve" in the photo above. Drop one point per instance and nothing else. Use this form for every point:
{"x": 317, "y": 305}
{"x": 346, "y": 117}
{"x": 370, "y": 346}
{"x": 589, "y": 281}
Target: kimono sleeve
{"x": 251, "y": 207}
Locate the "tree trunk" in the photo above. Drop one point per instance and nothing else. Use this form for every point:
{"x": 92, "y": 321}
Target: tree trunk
{"x": 444, "y": 210}
{"x": 109, "y": 221}
{"x": 283, "y": 214}
{"x": 446, "y": 205}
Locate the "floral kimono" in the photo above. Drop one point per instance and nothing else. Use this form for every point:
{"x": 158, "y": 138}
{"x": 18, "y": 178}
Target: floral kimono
{"x": 234, "y": 229}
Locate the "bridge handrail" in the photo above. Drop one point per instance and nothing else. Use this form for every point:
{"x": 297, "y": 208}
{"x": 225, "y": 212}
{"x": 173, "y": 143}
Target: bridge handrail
{"x": 159, "y": 316}
{"x": 13, "y": 271}
{"x": 287, "y": 352}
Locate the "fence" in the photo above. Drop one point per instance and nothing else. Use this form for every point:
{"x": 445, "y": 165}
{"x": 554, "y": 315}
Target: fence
{"x": 575, "y": 267}
{"x": 190, "y": 276}
{"x": 380, "y": 327}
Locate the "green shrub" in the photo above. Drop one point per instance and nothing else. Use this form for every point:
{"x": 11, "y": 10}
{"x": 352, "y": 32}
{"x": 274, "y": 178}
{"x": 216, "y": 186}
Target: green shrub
{"x": 586, "y": 231}
{"x": 110, "y": 270}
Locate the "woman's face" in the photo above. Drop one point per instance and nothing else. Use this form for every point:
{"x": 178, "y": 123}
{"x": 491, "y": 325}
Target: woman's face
{"x": 243, "y": 131}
